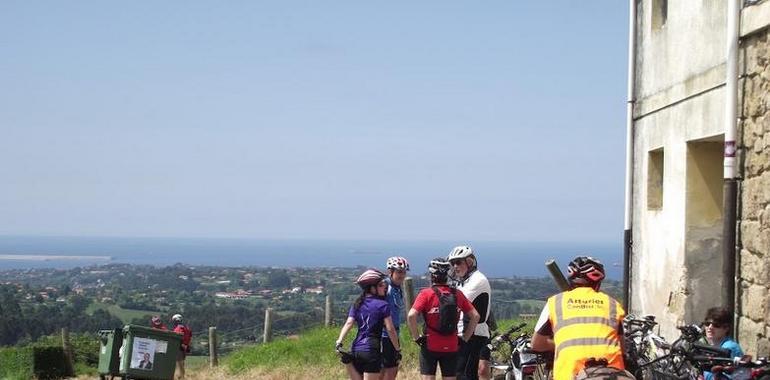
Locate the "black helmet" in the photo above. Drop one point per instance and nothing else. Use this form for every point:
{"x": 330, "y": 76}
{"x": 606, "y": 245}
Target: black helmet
{"x": 439, "y": 269}
{"x": 585, "y": 270}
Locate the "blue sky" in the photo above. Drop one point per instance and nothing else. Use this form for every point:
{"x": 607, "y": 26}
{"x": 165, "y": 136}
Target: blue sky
{"x": 494, "y": 120}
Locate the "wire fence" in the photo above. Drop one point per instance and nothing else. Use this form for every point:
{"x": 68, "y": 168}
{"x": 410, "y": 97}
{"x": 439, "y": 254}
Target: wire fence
{"x": 229, "y": 341}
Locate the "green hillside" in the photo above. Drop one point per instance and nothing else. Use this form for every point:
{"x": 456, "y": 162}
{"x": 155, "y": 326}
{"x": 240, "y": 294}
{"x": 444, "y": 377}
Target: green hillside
{"x": 313, "y": 352}
{"x": 125, "y": 315}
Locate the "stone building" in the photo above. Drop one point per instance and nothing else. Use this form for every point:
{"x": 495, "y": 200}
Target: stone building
{"x": 677, "y": 215}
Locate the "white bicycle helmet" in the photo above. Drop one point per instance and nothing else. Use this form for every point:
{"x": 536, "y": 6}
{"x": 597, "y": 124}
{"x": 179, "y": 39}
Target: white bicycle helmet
{"x": 177, "y": 318}
{"x": 460, "y": 252}
{"x": 397, "y": 263}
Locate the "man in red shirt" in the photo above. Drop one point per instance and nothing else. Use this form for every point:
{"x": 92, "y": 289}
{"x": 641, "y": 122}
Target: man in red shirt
{"x": 439, "y": 344}
{"x": 157, "y": 323}
{"x": 184, "y": 349}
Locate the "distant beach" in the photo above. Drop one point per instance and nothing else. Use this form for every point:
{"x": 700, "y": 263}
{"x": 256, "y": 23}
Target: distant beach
{"x": 53, "y": 258}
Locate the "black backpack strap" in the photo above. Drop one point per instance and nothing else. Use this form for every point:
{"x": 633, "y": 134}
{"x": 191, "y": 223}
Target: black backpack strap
{"x": 425, "y": 315}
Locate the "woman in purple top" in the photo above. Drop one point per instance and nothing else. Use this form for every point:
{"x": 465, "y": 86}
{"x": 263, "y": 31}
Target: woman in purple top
{"x": 370, "y": 313}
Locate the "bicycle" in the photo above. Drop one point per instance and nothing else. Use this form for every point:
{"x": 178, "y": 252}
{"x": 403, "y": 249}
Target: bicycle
{"x": 644, "y": 349}
{"x": 744, "y": 369}
{"x": 685, "y": 358}
{"x": 520, "y": 362}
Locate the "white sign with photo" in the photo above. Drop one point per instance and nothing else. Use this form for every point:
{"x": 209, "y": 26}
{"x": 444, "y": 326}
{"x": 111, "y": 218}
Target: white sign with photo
{"x": 143, "y": 353}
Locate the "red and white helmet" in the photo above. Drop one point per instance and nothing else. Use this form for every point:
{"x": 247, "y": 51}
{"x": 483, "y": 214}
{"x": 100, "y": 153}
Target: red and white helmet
{"x": 370, "y": 277}
{"x": 587, "y": 269}
{"x": 397, "y": 263}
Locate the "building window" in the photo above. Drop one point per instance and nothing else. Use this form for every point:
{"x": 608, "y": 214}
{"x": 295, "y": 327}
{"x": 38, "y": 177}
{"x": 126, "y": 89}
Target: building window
{"x": 659, "y": 13}
{"x": 655, "y": 179}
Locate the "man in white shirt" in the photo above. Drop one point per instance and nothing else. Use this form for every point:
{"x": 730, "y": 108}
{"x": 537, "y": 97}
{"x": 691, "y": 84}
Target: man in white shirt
{"x": 475, "y": 287}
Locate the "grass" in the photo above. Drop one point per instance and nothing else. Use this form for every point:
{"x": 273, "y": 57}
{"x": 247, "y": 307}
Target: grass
{"x": 15, "y": 363}
{"x": 125, "y": 315}
{"x": 312, "y": 355}
{"x": 196, "y": 363}
{"x": 535, "y": 304}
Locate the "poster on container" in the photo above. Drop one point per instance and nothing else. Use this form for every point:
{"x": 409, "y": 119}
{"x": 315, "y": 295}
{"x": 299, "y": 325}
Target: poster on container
{"x": 143, "y": 354}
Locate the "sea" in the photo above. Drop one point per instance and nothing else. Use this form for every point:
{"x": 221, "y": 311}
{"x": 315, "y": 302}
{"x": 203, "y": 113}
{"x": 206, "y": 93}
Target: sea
{"x": 495, "y": 258}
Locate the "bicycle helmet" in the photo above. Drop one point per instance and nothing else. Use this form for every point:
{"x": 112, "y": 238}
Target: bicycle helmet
{"x": 177, "y": 318}
{"x": 370, "y": 277}
{"x": 397, "y": 263}
{"x": 439, "y": 266}
{"x": 464, "y": 252}
{"x": 460, "y": 252}
{"x": 585, "y": 269}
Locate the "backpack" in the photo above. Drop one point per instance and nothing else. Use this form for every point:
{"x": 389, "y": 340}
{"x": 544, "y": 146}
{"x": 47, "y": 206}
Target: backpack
{"x": 448, "y": 314}
{"x": 604, "y": 373}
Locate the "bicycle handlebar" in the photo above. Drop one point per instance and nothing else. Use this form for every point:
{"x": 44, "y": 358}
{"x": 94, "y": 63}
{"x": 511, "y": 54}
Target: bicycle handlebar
{"x": 514, "y": 329}
{"x": 705, "y": 358}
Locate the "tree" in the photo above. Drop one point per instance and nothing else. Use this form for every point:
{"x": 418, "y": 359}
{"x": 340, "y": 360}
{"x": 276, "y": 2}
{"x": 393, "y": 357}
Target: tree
{"x": 278, "y": 279}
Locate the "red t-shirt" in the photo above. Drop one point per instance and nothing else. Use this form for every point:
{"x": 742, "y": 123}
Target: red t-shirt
{"x": 186, "y": 335}
{"x": 427, "y": 304}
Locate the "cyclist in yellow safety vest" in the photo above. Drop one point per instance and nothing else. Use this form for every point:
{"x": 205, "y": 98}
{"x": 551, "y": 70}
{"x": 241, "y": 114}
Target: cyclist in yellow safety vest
{"x": 581, "y": 323}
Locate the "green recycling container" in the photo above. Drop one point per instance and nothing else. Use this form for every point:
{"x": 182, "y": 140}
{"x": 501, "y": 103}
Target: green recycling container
{"x": 148, "y": 353}
{"x": 109, "y": 352}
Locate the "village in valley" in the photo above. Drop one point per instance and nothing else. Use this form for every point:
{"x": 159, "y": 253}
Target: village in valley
{"x": 232, "y": 299}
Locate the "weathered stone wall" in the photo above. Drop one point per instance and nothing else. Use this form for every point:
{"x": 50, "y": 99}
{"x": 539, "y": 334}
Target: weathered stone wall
{"x": 754, "y": 140}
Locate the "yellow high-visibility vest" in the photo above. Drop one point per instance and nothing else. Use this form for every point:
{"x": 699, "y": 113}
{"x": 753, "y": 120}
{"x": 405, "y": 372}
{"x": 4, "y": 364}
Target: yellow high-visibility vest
{"x": 585, "y": 325}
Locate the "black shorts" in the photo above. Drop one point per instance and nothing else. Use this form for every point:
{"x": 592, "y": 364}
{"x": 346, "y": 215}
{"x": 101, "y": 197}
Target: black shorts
{"x": 485, "y": 353}
{"x": 429, "y": 361}
{"x": 468, "y": 358}
{"x": 367, "y": 361}
{"x": 388, "y": 354}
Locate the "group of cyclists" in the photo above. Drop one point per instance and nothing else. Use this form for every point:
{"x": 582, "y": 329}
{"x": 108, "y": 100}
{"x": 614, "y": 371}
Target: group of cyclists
{"x": 456, "y": 284}
{"x": 582, "y": 326}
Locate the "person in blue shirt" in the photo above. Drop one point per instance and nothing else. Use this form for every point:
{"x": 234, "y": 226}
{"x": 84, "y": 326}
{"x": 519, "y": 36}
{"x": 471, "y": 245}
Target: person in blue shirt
{"x": 717, "y": 327}
{"x": 397, "y": 268}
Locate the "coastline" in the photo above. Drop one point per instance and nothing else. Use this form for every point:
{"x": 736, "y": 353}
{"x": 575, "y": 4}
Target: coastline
{"x": 52, "y": 257}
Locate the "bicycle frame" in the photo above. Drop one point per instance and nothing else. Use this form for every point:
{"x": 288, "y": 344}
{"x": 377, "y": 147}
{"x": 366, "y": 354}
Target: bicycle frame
{"x": 521, "y": 363}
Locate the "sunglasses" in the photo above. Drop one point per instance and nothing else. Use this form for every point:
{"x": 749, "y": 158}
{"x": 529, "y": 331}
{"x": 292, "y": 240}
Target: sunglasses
{"x": 456, "y": 262}
{"x": 715, "y": 324}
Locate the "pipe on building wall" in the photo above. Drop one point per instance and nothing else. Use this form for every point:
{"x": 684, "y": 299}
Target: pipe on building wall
{"x": 730, "y": 183}
{"x": 627, "y": 225}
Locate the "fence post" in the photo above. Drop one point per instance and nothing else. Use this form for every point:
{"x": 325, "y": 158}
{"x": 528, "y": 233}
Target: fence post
{"x": 328, "y": 313}
{"x": 213, "y": 358}
{"x": 408, "y": 293}
{"x": 268, "y": 335}
{"x": 65, "y": 341}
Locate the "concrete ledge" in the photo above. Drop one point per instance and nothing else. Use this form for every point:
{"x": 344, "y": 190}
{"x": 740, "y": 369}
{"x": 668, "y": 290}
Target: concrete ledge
{"x": 696, "y": 85}
{"x": 755, "y": 18}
